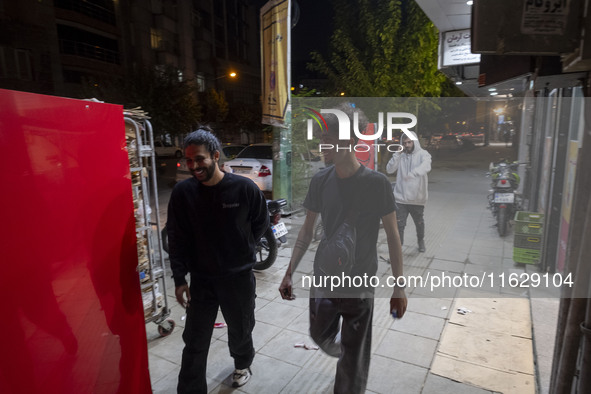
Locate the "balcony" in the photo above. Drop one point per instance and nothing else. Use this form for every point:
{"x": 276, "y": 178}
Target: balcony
{"x": 76, "y": 48}
{"x": 104, "y": 13}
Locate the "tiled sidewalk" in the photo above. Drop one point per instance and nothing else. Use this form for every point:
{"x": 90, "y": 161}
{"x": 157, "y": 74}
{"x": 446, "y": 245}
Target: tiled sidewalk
{"x": 420, "y": 353}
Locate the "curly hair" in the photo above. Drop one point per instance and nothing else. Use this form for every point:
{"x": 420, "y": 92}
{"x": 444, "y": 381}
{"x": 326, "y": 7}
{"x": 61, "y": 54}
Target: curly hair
{"x": 203, "y": 136}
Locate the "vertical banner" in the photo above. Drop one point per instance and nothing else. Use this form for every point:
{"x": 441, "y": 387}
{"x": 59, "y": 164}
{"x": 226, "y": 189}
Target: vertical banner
{"x": 275, "y": 53}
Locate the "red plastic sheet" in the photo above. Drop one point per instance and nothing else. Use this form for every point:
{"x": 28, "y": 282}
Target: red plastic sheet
{"x": 73, "y": 314}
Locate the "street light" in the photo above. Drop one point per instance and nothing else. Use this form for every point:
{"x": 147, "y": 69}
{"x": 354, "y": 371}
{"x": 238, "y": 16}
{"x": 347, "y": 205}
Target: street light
{"x": 231, "y": 74}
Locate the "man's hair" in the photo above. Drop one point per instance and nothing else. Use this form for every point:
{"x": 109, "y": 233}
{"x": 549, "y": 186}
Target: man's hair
{"x": 349, "y": 109}
{"x": 203, "y": 136}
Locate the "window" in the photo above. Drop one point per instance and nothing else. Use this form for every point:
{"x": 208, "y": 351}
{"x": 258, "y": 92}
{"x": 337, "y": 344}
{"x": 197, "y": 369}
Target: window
{"x": 200, "y": 79}
{"x": 155, "y": 38}
{"x": 79, "y": 42}
{"x": 102, "y": 10}
{"x": 23, "y": 64}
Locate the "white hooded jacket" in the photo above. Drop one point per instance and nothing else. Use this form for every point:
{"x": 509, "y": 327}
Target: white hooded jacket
{"x": 411, "y": 180}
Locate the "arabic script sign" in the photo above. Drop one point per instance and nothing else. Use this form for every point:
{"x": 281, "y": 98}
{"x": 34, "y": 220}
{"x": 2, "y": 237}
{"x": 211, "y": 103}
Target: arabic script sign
{"x": 456, "y": 48}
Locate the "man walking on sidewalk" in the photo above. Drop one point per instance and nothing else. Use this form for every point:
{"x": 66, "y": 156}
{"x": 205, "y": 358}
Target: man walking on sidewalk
{"x": 214, "y": 222}
{"x": 413, "y": 164}
{"x": 341, "y": 320}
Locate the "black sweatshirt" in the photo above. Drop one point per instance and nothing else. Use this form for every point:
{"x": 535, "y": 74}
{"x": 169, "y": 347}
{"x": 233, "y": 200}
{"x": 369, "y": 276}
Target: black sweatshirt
{"x": 213, "y": 230}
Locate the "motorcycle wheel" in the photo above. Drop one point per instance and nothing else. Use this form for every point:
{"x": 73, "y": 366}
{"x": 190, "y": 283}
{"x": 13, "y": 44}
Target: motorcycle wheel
{"x": 266, "y": 251}
{"x": 502, "y": 221}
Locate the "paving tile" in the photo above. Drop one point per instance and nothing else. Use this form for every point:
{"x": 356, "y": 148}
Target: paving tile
{"x": 447, "y": 266}
{"x": 491, "y": 349}
{"x": 263, "y": 333}
{"x": 280, "y": 314}
{"x": 437, "y": 307}
{"x": 259, "y": 303}
{"x": 267, "y": 290}
{"x": 377, "y": 336}
{"x": 301, "y": 324}
{"x": 169, "y": 348}
{"x": 451, "y": 254}
{"x": 270, "y": 375}
{"x": 281, "y": 347}
{"x": 483, "y": 259}
{"x": 310, "y": 381}
{"x": 407, "y": 348}
{"x": 420, "y": 325}
{"x": 437, "y": 385}
{"x": 486, "y": 269}
{"x": 220, "y": 364}
{"x": 322, "y": 363}
{"x": 167, "y": 384}
{"x": 508, "y": 316}
{"x": 433, "y": 285}
{"x": 392, "y": 376}
{"x": 483, "y": 377}
{"x": 160, "y": 367}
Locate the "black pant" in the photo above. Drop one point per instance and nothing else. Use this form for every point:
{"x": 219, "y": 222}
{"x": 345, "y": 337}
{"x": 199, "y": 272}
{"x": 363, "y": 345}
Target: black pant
{"x": 416, "y": 212}
{"x": 353, "y": 348}
{"x": 235, "y": 296}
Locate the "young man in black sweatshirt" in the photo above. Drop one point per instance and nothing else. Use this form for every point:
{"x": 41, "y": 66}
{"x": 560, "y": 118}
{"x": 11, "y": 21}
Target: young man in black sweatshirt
{"x": 214, "y": 222}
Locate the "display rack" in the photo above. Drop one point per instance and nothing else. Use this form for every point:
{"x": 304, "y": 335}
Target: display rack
{"x": 151, "y": 268}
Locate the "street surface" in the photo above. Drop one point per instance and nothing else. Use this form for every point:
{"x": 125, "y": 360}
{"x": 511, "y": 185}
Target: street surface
{"x": 489, "y": 347}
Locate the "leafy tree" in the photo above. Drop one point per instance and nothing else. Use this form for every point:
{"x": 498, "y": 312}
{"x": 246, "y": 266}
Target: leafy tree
{"x": 216, "y": 106}
{"x": 170, "y": 101}
{"x": 381, "y": 48}
{"x": 247, "y": 119}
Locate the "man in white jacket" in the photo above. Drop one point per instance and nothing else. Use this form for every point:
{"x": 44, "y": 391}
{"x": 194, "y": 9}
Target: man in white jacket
{"x": 413, "y": 164}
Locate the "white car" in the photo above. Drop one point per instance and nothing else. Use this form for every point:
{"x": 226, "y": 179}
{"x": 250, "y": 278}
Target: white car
{"x": 163, "y": 149}
{"x": 254, "y": 162}
{"x": 228, "y": 152}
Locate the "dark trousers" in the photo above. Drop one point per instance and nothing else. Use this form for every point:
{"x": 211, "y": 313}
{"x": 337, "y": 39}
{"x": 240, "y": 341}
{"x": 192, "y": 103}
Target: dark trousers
{"x": 353, "y": 348}
{"x": 235, "y": 296}
{"x": 416, "y": 212}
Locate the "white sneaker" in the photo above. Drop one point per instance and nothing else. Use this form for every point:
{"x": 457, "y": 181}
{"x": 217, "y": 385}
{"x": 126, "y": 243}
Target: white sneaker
{"x": 241, "y": 377}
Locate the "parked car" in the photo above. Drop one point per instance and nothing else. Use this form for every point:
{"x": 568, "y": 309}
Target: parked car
{"x": 310, "y": 163}
{"x": 254, "y": 162}
{"x": 228, "y": 152}
{"x": 449, "y": 141}
{"x": 163, "y": 149}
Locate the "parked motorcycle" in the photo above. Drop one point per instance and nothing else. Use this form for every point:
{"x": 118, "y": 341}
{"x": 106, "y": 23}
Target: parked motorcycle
{"x": 504, "y": 201}
{"x": 268, "y": 245}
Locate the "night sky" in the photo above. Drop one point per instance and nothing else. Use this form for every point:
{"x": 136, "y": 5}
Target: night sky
{"x": 311, "y": 33}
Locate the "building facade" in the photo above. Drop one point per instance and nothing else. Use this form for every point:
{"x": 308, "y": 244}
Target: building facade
{"x": 51, "y": 47}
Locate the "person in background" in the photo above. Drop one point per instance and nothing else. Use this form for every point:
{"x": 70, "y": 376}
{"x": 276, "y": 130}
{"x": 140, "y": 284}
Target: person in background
{"x": 214, "y": 222}
{"x": 413, "y": 164}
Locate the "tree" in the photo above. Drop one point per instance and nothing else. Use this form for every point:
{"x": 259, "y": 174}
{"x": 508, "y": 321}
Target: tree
{"x": 216, "y": 106}
{"x": 170, "y": 101}
{"x": 381, "y": 48}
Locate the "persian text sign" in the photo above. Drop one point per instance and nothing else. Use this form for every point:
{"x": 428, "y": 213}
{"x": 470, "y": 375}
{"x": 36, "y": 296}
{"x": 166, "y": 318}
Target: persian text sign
{"x": 457, "y": 48}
